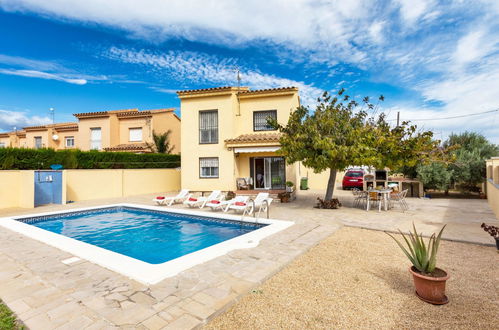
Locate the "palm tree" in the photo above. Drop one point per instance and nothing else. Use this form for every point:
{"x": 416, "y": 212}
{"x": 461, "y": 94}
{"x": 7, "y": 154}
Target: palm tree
{"x": 161, "y": 143}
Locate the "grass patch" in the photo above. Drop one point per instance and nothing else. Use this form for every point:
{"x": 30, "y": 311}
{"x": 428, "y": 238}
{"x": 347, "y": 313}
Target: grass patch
{"x": 8, "y": 319}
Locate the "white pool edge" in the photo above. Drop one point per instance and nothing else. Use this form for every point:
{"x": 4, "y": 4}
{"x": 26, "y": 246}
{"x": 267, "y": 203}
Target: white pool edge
{"x": 136, "y": 269}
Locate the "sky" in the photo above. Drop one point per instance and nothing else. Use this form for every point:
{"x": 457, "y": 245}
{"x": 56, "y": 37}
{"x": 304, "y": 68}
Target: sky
{"x": 430, "y": 59}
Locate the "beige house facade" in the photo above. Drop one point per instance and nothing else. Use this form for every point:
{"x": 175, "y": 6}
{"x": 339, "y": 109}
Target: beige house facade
{"x": 226, "y": 138}
{"x": 492, "y": 184}
{"x": 119, "y": 130}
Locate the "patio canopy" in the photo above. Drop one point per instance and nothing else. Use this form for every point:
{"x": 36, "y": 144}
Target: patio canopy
{"x": 241, "y": 150}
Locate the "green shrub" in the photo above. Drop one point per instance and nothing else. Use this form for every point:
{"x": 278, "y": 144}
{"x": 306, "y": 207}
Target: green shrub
{"x": 35, "y": 159}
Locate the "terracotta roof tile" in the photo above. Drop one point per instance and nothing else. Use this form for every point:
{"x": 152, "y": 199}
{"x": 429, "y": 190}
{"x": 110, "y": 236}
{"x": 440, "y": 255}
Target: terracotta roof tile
{"x": 130, "y": 147}
{"x": 213, "y": 89}
{"x": 269, "y": 90}
{"x": 256, "y": 137}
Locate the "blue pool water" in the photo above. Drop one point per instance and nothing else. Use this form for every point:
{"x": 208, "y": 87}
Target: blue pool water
{"x": 151, "y": 236}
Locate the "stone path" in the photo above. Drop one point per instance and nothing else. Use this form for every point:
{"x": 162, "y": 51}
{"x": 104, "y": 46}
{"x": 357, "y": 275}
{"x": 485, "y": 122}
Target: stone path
{"x": 45, "y": 293}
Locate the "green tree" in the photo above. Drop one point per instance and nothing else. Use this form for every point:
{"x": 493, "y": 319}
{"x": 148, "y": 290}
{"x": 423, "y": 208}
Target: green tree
{"x": 161, "y": 142}
{"x": 337, "y": 135}
{"x": 470, "y": 151}
{"x": 435, "y": 175}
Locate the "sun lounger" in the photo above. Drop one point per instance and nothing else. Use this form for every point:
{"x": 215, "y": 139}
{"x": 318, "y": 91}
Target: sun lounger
{"x": 261, "y": 202}
{"x": 201, "y": 201}
{"x": 179, "y": 198}
{"x": 224, "y": 205}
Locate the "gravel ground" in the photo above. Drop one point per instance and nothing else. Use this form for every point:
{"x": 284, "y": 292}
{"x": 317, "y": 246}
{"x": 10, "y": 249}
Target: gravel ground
{"x": 359, "y": 278}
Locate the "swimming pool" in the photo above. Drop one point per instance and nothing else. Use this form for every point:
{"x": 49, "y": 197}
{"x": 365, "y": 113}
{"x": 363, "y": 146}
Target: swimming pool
{"x": 146, "y": 243}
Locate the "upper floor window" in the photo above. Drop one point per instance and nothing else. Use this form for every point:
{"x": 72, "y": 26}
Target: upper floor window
{"x": 208, "y": 126}
{"x": 70, "y": 141}
{"x": 38, "y": 142}
{"x": 95, "y": 138}
{"x": 135, "y": 134}
{"x": 260, "y": 120}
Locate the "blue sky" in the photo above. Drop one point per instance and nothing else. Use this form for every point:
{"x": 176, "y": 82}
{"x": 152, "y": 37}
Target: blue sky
{"x": 429, "y": 59}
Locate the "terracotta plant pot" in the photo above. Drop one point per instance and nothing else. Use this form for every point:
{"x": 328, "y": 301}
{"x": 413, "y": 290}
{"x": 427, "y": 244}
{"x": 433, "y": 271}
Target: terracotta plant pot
{"x": 430, "y": 289}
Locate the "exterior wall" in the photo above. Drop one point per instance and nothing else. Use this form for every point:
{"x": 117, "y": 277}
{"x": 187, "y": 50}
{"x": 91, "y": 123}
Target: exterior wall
{"x": 318, "y": 181}
{"x": 162, "y": 122}
{"x": 493, "y": 184}
{"x": 17, "y": 189}
{"x": 60, "y": 144}
{"x": 192, "y": 150}
{"x": 95, "y": 184}
{"x": 126, "y": 123}
{"x": 6, "y": 141}
{"x": 84, "y": 126}
{"x": 30, "y": 138}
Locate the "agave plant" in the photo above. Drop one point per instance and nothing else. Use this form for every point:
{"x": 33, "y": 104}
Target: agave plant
{"x": 422, "y": 256}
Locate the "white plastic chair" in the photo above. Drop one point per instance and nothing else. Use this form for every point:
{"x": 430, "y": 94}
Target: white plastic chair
{"x": 180, "y": 197}
{"x": 400, "y": 198}
{"x": 201, "y": 201}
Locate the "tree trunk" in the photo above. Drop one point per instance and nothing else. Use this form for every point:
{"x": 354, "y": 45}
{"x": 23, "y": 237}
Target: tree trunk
{"x": 330, "y": 184}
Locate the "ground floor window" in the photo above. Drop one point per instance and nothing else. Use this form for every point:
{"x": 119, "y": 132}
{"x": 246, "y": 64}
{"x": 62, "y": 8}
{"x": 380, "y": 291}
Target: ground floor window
{"x": 208, "y": 167}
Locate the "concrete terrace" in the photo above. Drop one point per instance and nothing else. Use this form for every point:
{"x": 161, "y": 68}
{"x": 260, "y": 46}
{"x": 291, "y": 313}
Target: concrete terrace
{"x": 47, "y": 294}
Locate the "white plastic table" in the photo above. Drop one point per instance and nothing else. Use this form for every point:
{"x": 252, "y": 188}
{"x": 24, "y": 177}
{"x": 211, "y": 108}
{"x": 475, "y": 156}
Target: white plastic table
{"x": 384, "y": 196}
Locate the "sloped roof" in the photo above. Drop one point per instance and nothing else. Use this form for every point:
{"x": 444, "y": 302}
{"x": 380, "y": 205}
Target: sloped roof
{"x": 141, "y": 147}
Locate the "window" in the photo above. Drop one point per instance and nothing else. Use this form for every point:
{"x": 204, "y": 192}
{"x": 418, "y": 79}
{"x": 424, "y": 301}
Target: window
{"x": 38, "y": 142}
{"x": 260, "y": 120}
{"x": 2, "y": 145}
{"x": 208, "y": 167}
{"x": 95, "y": 138}
{"x": 70, "y": 141}
{"x": 135, "y": 134}
{"x": 208, "y": 126}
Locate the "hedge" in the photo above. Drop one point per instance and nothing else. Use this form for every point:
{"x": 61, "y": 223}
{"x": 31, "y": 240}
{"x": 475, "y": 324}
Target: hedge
{"x": 37, "y": 159}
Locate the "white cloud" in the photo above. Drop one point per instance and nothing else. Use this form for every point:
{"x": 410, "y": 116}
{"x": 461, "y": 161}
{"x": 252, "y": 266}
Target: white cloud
{"x": 202, "y": 68}
{"x": 19, "y": 119}
{"x": 43, "y": 75}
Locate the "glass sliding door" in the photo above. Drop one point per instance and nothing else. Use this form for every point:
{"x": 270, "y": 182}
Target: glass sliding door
{"x": 269, "y": 172}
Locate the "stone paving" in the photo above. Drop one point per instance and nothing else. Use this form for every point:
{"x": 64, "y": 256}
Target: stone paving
{"x": 45, "y": 293}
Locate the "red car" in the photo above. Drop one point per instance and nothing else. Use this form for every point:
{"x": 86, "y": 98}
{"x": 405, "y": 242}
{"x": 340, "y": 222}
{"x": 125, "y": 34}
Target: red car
{"x": 353, "y": 179}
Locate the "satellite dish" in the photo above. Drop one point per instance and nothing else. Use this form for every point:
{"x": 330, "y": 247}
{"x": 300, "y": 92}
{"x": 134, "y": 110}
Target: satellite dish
{"x": 55, "y": 137}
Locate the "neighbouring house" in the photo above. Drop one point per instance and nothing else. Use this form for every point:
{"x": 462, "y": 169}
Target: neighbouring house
{"x": 119, "y": 130}
{"x": 492, "y": 184}
{"x": 126, "y": 130}
{"x": 226, "y": 138}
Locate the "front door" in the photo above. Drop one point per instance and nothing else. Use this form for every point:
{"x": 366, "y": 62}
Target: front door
{"x": 269, "y": 173}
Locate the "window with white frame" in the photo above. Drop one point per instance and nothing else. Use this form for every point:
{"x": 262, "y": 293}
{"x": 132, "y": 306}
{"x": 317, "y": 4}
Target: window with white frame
{"x": 135, "y": 134}
{"x": 260, "y": 120}
{"x": 38, "y": 142}
{"x": 208, "y": 167}
{"x": 208, "y": 126}
{"x": 70, "y": 141}
{"x": 95, "y": 138}
{"x": 2, "y": 145}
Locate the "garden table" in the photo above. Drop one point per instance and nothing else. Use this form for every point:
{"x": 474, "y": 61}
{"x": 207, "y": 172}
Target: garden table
{"x": 385, "y": 194}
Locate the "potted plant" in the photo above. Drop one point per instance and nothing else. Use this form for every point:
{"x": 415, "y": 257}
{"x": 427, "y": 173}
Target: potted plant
{"x": 428, "y": 279}
{"x": 284, "y": 196}
{"x": 289, "y": 186}
{"x": 493, "y": 231}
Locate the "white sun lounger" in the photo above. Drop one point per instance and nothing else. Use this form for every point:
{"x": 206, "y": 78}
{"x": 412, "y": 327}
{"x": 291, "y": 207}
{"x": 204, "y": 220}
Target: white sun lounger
{"x": 261, "y": 202}
{"x": 224, "y": 205}
{"x": 181, "y": 196}
{"x": 201, "y": 201}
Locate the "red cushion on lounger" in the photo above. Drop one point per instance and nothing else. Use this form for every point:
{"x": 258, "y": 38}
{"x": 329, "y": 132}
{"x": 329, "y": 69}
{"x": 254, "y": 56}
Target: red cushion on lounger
{"x": 193, "y": 199}
{"x": 215, "y": 202}
{"x": 160, "y": 197}
{"x": 239, "y": 203}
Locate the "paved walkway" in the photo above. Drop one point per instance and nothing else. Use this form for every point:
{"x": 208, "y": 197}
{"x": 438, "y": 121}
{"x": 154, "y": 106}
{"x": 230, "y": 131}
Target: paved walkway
{"x": 46, "y": 293}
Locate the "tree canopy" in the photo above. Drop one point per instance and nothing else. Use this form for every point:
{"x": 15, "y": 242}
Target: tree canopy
{"x": 340, "y": 133}
{"x": 161, "y": 142}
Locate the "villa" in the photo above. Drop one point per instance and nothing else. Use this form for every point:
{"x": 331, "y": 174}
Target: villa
{"x": 117, "y": 130}
{"x": 226, "y": 139}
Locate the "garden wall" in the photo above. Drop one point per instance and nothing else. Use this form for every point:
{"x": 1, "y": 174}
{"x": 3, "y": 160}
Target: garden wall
{"x": 17, "y": 187}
